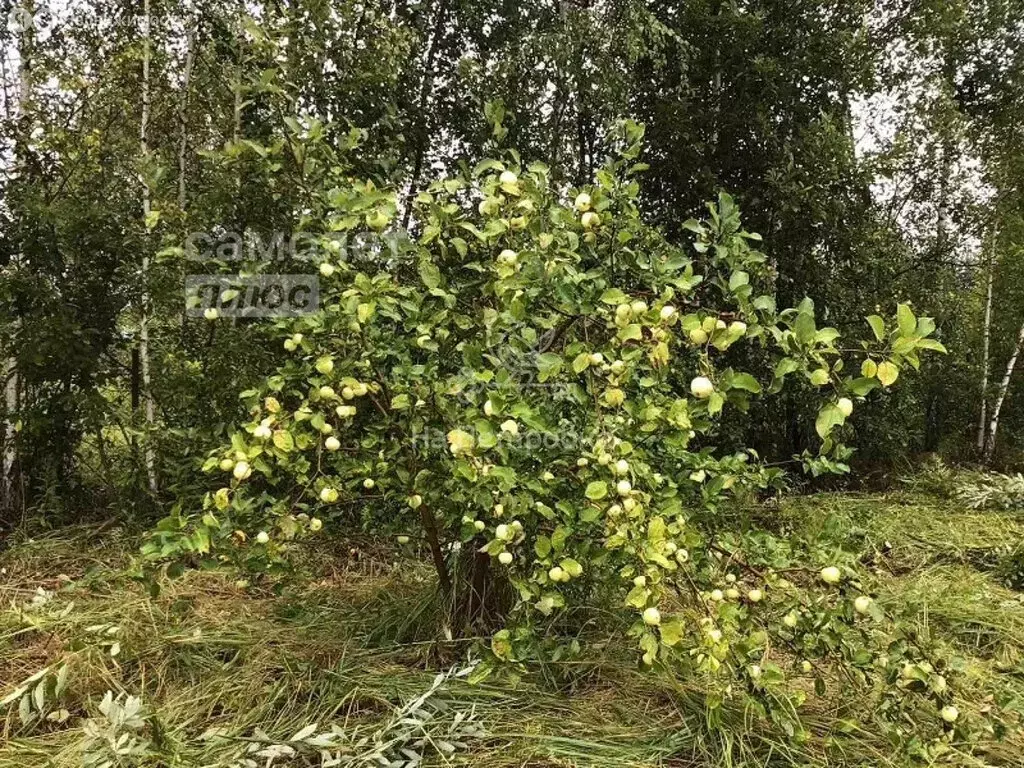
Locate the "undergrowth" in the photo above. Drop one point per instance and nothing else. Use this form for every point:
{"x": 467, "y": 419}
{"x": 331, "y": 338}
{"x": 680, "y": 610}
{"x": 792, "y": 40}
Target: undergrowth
{"x": 343, "y": 666}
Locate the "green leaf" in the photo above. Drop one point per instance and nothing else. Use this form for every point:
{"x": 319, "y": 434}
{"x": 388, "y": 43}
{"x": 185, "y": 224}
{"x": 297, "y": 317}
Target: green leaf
{"x": 906, "y": 320}
{"x": 501, "y": 645}
{"x": 671, "y": 631}
{"x": 931, "y": 344}
{"x": 486, "y": 437}
{"x": 632, "y": 332}
{"x": 828, "y": 417}
{"x": 786, "y": 366}
{"x": 596, "y": 490}
{"x": 745, "y": 381}
{"x": 542, "y": 546}
{"x": 429, "y": 274}
{"x": 738, "y": 279}
{"x": 805, "y": 328}
{"x": 549, "y": 364}
{"x": 571, "y": 567}
{"x": 877, "y": 326}
{"x": 715, "y": 403}
{"x": 581, "y": 363}
{"x": 613, "y": 296}
{"x": 862, "y": 386}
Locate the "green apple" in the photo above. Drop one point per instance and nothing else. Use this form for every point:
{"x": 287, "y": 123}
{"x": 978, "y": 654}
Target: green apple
{"x": 830, "y": 575}
{"x": 701, "y": 387}
{"x": 377, "y": 220}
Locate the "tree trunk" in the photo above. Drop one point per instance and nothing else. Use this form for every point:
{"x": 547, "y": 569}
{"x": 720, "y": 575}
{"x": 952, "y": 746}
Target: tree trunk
{"x": 8, "y": 435}
{"x": 10, "y": 460}
{"x": 144, "y": 357}
{"x": 990, "y": 443}
{"x": 190, "y": 56}
{"x": 986, "y": 338}
{"x": 426, "y": 89}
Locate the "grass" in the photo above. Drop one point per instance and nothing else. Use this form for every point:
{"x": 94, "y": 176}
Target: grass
{"x": 226, "y": 674}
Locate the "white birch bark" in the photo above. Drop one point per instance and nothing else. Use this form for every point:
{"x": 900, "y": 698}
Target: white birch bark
{"x": 990, "y": 443}
{"x": 144, "y": 355}
{"x": 985, "y": 342}
{"x": 10, "y": 368}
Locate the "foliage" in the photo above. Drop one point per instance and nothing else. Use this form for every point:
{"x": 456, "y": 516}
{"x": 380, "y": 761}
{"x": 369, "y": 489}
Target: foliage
{"x": 115, "y": 738}
{"x": 991, "y": 490}
{"x": 539, "y": 378}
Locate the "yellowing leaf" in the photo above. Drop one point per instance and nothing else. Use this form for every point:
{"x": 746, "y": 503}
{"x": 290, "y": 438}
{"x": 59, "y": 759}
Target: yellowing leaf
{"x": 283, "y": 441}
{"x": 887, "y": 373}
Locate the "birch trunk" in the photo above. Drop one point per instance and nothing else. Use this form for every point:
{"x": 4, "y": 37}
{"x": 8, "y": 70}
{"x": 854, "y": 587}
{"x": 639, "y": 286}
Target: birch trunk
{"x": 990, "y": 443}
{"x": 986, "y": 339}
{"x": 144, "y": 356}
{"x": 10, "y": 366}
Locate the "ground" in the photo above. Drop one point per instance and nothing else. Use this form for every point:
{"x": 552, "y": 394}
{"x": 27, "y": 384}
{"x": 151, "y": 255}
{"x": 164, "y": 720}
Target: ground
{"x": 340, "y": 661}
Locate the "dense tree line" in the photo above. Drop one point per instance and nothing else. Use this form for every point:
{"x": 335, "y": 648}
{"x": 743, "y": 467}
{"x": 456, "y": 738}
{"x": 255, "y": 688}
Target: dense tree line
{"x": 876, "y": 146}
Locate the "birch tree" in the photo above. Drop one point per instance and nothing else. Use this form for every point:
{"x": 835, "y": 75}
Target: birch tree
{"x": 149, "y": 405}
{"x": 25, "y": 23}
{"x": 985, "y": 341}
{"x": 990, "y": 442}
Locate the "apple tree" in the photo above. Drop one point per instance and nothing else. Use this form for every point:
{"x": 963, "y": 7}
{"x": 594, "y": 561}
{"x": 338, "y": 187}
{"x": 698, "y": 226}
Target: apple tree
{"x": 533, "y": 381}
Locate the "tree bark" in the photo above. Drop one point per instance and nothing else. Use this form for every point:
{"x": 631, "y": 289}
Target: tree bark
{"x": 990, "y": 443}
{"x": 144, "y": 357}
{"x": 986, "y": 338}
{"x": 430, "y": 529}
{"x": 10, "y": 367}
{"x": 190, "y": 55}
{"x": 426, "y": 88}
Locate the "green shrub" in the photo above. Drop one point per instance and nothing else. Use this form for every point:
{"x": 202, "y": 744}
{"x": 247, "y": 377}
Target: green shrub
{"x": 537, "y": 379}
